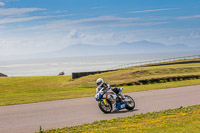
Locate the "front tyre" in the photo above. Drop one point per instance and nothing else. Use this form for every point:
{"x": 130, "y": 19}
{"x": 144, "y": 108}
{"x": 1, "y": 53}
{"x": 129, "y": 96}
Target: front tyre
{"x": 106, "y": 108}
{"x": 130, "y": 103}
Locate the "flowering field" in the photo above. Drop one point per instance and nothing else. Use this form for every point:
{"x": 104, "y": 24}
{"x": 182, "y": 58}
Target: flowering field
{"x": 178, "y": 120}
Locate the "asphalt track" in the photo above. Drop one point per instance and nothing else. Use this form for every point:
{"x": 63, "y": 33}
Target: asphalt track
{"x": 27, "y": 118}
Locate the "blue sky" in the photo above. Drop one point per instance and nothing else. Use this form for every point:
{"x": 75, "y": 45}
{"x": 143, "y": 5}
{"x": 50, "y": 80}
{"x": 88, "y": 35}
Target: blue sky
{"x": 34, "y": 26}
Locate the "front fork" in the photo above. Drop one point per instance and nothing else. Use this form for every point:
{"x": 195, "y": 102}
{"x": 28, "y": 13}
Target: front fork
{"x": 105, "y": 102}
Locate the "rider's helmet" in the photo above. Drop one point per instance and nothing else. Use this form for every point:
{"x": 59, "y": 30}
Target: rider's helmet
{"x": 99, "y": 82}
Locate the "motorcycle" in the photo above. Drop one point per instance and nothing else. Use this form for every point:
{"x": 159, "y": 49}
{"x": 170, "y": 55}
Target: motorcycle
{"x": 110, "y": 101}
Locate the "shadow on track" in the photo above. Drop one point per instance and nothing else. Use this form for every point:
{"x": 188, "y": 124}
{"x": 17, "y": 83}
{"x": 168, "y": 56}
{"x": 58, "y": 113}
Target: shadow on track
{"x": 123, "y": 111}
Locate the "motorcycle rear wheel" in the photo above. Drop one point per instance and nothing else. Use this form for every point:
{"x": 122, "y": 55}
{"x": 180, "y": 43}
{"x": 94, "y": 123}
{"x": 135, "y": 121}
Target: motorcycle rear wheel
{"x": 105, "y": 108}
{"x": 130, "y": 102}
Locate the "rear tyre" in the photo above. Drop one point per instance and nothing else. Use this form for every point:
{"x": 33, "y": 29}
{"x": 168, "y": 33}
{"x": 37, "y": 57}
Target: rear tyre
{"x": 105, "y": 108}
{"x": 130, "y": 104}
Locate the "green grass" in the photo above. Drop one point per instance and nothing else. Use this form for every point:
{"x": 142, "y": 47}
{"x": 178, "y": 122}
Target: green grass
{"x": 136, "y": 73}
{"x": 184, "y": 120}
{"x": 20, "y": 96}
{"x": 175, "y": 61}
{"x": 19, "y": 90}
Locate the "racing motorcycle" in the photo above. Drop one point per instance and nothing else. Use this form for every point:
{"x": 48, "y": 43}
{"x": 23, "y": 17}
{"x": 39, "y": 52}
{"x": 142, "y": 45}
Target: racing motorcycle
{"x": 110, "y": 101}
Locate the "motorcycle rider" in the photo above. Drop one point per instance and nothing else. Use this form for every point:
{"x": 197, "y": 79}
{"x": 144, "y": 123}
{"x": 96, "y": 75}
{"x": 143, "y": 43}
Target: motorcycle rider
{"x": 101, "y": 84}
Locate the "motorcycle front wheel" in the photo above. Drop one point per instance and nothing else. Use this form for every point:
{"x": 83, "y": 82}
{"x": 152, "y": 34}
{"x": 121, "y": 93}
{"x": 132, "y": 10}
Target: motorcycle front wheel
{"x": 130, "y": 102}
{"x": 106, "y": 108}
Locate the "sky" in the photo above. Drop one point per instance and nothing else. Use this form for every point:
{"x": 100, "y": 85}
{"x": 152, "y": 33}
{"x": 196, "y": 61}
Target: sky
{"x": 35, "y": 26}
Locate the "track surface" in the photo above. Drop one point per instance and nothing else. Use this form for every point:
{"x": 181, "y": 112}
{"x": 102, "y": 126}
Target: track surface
{"x": 27, "y": 118}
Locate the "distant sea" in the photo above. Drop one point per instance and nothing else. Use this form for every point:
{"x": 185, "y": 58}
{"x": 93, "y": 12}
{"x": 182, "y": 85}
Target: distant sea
{"x": 52, "y": 67}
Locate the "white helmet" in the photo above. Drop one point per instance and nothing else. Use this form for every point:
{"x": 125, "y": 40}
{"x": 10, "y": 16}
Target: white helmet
{"x": 99, "y": 82}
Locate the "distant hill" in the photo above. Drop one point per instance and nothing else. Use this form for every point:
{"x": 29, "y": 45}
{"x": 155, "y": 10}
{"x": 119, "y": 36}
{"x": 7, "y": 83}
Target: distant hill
{"x": 122, "y": 48}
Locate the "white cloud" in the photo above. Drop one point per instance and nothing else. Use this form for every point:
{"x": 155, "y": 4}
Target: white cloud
{"x": 14, "y": 20}
{"x": 73, "y": 34}
{"x": 49, "y": 41}
{"x": 23, "y": 19}
{"x": 2, "y": 4}
{"x": 27, "y": 44}
{"x": 153, "y": 10}
{"x": 195, "y": 35}
{"x": 138, "y": 24}
{"x": 18, "y": 11}
{"x": 98, "y": 7}
{"x": 1, "y": 27}
{"x": 87, "y": 23}
{"x": 12, "y": 15}
{"x": 93, "y": 23}
{"x": 105, "y": 19}
{"x": 75, "y": 37}
{"x": 189, "y": 17}
{"x": 34, "y": 43}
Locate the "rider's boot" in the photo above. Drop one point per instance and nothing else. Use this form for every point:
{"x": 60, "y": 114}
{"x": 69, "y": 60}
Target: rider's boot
{"x": 122, "y": 96}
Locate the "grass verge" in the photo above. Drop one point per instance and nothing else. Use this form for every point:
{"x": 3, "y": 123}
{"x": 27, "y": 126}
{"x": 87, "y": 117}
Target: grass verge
{"x": 40, "y": 95}
{"x": 177, "y": 120}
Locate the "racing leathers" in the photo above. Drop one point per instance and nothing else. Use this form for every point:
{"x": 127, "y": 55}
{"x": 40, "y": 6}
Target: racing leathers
{"x": 106, "y": 86}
